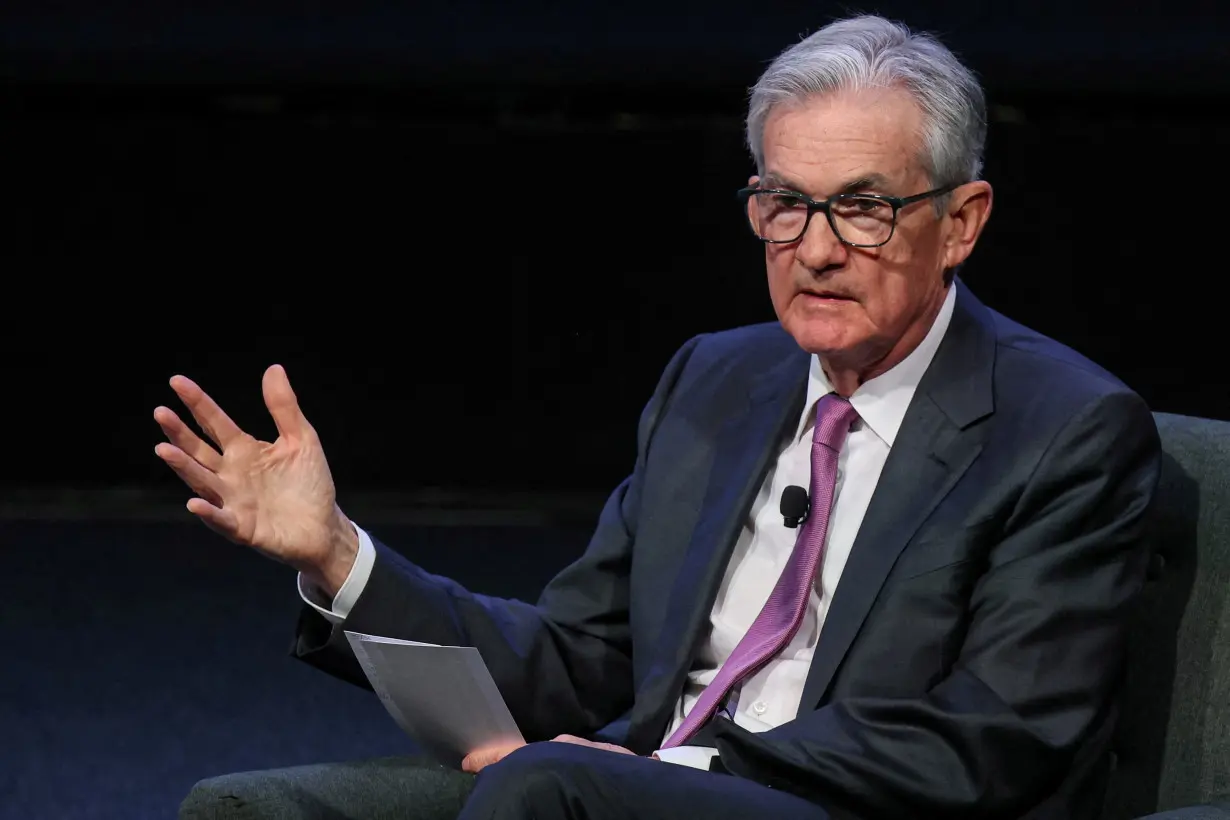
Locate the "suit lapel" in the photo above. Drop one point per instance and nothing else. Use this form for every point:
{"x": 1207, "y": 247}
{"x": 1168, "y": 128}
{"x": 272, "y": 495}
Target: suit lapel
{"x": 927, "y": 458}
{"x": 933, "y": 448}
{"x": 743, "y": 449}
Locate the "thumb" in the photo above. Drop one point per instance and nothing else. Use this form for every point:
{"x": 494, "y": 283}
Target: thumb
{"x": 282, "y": 404}
{"x": 479, "y": 759}
{"x": 475, "y": 762}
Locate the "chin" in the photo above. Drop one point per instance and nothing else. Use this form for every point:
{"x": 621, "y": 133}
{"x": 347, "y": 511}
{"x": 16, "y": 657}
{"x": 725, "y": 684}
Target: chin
{"x": 826, "y": 330}
{"x": 816, "y": 333}
{"x": 820, "y": 338}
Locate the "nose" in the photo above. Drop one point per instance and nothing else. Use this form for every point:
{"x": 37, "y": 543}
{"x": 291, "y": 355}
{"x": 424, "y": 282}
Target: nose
{"x": 819, "y": 248}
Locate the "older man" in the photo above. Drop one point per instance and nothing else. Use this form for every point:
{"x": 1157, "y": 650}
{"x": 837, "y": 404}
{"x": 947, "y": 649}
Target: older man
{"x": 935, "y": 629}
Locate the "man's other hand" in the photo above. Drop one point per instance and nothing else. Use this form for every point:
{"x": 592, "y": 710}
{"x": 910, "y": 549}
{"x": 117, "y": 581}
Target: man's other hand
{"x": 276, "y": 497}
{"x": 477, "y": 761}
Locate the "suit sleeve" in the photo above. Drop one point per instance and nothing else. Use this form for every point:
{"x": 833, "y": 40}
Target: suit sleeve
{"x": 1039, "y": 665}
{"x": 563, "y": 665}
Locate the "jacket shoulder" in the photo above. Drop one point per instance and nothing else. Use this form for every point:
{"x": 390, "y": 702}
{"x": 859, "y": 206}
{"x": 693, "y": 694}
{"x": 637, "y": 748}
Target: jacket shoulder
{"x": 750, "y": 346}
{"x": 715, "y": 371}
{"x": 1034, "y": 361}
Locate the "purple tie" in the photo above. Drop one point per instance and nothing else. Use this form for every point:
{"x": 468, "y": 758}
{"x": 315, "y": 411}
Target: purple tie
{"x": 783, "y": 612}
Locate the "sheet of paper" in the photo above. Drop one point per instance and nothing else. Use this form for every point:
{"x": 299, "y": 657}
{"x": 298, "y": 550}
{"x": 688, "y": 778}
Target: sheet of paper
{"x": 442, "y": 696}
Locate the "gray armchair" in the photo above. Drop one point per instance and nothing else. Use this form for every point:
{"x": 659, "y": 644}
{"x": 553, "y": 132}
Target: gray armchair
{"x": 1172, "y": 750}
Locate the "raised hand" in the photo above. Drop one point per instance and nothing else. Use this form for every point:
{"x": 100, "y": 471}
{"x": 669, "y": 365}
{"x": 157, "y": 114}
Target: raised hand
{"x": 276, "y": 497}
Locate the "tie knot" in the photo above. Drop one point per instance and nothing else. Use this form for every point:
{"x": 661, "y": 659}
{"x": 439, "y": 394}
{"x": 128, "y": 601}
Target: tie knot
{"x": 834, "y": 415}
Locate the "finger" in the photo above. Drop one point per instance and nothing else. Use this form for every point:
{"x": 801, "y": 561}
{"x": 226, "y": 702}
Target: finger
{"x": 282, "y": 403}
{"x": 182, "y": 436}
{"x": 216, "y": 424}
{"x": 475, "y": 762}
{"x": 203, "y": 482}
{"x": 218, "y": 519}
{"x": 593, "y": 744}
{"x": 481, "y": 758}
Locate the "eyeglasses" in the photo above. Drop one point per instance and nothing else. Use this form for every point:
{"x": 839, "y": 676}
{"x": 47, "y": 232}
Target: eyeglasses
{"x": 857, "y": 220}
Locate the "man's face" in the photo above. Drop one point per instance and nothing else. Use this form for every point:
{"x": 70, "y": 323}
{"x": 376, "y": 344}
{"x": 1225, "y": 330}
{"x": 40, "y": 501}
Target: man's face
{"x": 855, "y": 307}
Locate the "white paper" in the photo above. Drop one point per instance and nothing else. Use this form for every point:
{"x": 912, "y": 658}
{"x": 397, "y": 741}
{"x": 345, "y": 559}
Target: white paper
{"x": 442, "y": 696}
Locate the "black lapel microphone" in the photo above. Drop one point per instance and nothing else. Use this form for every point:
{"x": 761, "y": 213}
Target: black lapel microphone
{"x": 794, "y": 506}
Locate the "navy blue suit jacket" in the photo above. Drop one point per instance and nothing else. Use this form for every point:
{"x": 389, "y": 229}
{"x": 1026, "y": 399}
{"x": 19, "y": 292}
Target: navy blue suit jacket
{"x": 970, "y": 658}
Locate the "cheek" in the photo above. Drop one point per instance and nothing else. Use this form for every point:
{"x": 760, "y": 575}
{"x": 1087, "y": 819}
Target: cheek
{"x": 888, "y": 306}
{"x": 898, "y": 284}
{"x": 779, "y": 269}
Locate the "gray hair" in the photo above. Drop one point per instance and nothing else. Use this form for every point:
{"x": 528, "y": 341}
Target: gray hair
{"x": 871, "y": 52}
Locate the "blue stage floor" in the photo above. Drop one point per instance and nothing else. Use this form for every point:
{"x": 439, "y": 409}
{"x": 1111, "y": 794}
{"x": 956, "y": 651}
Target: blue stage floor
{"x": 137, "y": 658}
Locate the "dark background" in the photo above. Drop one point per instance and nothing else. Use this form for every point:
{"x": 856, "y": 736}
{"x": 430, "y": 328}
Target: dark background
{"x": 474, "y": 233}
{"x": 447, "y": 221}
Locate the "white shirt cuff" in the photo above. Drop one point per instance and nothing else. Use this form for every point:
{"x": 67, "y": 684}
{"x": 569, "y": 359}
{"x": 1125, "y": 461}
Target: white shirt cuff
{"x": 337, "y": 609}
{"x": 695, "y": 757}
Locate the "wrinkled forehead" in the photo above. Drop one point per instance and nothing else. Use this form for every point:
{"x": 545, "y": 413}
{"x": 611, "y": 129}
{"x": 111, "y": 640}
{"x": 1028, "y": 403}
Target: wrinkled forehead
{"x": 845, "y": 141}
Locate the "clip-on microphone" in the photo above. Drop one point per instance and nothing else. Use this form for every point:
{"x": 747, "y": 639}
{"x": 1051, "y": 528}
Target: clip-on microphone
{"x": 794, "y": 506}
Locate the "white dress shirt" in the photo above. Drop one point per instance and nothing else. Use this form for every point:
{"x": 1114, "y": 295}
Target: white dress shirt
{"x": 770, "y": 697}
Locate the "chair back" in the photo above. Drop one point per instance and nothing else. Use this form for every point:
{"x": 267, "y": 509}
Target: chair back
{"x": 1172, "y": 745}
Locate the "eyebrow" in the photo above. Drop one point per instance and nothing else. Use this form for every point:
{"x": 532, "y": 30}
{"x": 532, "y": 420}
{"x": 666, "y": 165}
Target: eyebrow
{"x": 861, "y": 184}
{"x": 867, "y": 182}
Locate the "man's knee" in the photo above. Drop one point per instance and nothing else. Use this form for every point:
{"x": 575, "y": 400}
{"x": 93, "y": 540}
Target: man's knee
{"x": 540, "y": 775}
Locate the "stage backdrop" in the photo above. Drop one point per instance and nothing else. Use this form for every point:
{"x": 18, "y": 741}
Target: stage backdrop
{"x": 475, "y": 238}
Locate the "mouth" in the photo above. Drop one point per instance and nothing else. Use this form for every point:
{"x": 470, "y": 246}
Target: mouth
{"x": 825, "y": 295}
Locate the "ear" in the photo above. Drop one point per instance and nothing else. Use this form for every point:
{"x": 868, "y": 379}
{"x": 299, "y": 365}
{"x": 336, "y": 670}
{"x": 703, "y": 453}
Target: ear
{"x": 752, "y": 180}
{"x": 968, "y": 212}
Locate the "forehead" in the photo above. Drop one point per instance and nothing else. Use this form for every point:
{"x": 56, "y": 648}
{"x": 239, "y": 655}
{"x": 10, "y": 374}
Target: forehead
{"x": 824, "y": 142}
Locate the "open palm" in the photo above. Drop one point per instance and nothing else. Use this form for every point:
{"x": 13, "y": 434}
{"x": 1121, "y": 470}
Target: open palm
{"x": 277, "y": 497}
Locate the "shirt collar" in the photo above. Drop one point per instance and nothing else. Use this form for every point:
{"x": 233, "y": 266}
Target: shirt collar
{"x": 881, "y": 402}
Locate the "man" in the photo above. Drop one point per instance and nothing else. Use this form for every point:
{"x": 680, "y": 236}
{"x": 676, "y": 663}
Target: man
{"x": 937, "y": 631}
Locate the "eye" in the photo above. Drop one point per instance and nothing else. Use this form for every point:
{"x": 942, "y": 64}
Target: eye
{"x": 861, "y": 206}
{"x": 785, "y": 200}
